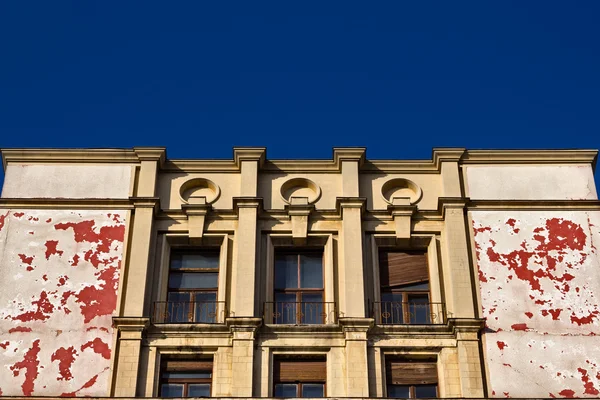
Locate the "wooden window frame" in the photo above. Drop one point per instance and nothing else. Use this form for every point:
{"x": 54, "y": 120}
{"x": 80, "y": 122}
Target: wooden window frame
{"x": 299, "y": 382}
{"x": 185, "y": 381}
{"x": 411, "y": 385}
{"x": 193, "y": 291}
{"x": 299, "y": 291}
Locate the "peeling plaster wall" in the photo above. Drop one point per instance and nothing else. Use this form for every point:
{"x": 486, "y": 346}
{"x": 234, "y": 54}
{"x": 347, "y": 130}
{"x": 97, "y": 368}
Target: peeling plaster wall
{"x": 59, "y": 274}
{"x": 542, "y": 182}
{"x": 539, "y": 278}
{"x": 67, "y": 181}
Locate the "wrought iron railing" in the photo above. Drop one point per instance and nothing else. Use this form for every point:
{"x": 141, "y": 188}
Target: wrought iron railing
{"x": 300, "y": 313}
{"x": 208, "y": 312}
{"x": 409, "y": 313}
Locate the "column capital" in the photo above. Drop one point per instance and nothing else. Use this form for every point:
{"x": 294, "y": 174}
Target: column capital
{"x": 247, "y": 202}
{"x": 144, "y": 202}
{"x": 249, "y": 154}
{"x": 349, "y": 154}
{"x": 131, "y": 327}
{"x": 356, "y": 328}
{"x": 243, "y": 328}
{"x": 350, "y": 202}
{"x": 151, "y": 154}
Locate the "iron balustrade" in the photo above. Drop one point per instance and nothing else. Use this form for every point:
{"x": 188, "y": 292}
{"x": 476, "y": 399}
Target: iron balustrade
{"x": 300, "y": 312}
{"x": 172, "y": 312}
{"x": 409, "y": 313}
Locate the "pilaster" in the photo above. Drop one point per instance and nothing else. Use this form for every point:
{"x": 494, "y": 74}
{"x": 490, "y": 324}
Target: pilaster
{"x": 129, "y": 339}
{"x": 243, "y": 280}
{"x": 455, "y": 257}
{"x": 469, "y": 360}
{"x": 355, "y": 334}
{"x": 351, "y": 270}
{"x": 244, "y": 332}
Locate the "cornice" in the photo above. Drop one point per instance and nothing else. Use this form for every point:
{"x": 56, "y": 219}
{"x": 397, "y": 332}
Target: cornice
{"x": 249, "y": 154}
{"x": 67, "y": 204}
{"x": 151, "y": 154}
{"x": 571, "y": 156}
{"x": 26, "y": 156}
{"x": 532, "y": 205}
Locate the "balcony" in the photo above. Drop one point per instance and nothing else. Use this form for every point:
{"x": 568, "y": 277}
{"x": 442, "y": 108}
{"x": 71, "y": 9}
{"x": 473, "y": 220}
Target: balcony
{"x": 209, "y": 312}
{"x": 300, "y": 313}
{"x": 410, "y": 313}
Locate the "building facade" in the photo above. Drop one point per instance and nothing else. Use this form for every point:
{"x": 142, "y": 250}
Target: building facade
{"x": 127, "y": 274}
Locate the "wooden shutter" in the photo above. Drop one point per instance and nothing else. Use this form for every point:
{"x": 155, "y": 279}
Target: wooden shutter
{"x": 411, "y": 373}
{"x": 187, "y": 365}
{"x": 290, "y": 370}
{"x": 401, "y": 268}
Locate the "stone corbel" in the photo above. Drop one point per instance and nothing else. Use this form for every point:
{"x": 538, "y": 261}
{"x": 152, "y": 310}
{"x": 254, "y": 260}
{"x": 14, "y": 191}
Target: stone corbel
{"x": 299, "y": 210}
{"x": 196, "y": 211}
{"x": 402, "y": 212}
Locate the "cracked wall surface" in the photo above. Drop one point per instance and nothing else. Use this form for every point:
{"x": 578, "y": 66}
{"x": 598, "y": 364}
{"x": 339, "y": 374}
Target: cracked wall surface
{"x": 59, "y": 274}
{"x": 539, "y": 280}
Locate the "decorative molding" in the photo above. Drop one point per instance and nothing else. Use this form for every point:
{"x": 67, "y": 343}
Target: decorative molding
{"x": 66, "y": 204}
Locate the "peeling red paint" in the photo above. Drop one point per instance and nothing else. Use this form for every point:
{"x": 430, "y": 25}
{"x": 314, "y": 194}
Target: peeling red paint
{"x": 103, "y": 301}
{"x": 519, "y": 327}
{"x": 568, "y": 393}
{"x": 587, "y": 384}
{"x": 99, "y": 347}
{"x": 51, "y": 249}
{"x": 44, "y": 307}
{"x": 588, "y": 319}
{"x": 529, "y": 314}
{"x": 75, "y": 260}
{"x": 18, "y": 214}
{"x": 501, "y": 345}
{"x": 4, "y": 345}
{"x": 65, "y": 358}
{"x": 19, "y": 329}
{"x": 2, "y": 219}
{"x": 25, "y": 259}
{"x": 30, "y": 363}
{"x": 62, "y": 280}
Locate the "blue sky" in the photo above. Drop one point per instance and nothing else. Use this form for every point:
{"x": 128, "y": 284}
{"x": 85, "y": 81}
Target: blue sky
{"x": 396, "y": 77}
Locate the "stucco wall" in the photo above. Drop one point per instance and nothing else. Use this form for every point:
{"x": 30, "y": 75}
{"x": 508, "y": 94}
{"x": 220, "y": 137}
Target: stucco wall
{"x": 59, "y": 274}
{"x": 67, "y": 181}
{"x": 536, "y": 182}
{"x": 539, "y": 279}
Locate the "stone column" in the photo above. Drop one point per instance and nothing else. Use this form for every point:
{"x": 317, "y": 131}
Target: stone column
{"x": 455, "y": 260}
{"x": 469, "y": 360}
{"x": 357, "y": 369}
{"x": 242, "y": 366}
{"x": 129, "y": 342}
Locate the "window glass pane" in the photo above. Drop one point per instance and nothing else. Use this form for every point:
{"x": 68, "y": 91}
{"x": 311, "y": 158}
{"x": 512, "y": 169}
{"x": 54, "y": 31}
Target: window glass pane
{"x": 414, "y": 286}
{"x": 418, "y": 309}
{"x": 195, "y": 260}
{"x": 311, "y": 271}
{"x": 205, "y": 307}
{"x": 312, "y": 308}
{"x": 286, "y": 271}
{"x": 190, "y": 280}
{"x": 425, "y": 391}
{"x": 178, "y": 307}
{"x": 199, "y": 390}
{"x": 315, "y": 390}
{"x": 398, "y": 391}
{"x": 286, "y": 390}
{"x": 389, "y": 296}
{"x": 285, "y": 308}
{"x": 171, "y": 390}
{"x": 186, "y": 375}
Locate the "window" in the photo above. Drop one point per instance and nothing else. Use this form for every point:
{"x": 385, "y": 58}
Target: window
{"x": 299, "y": 377}
{"x": 411, "y": 379}
{"x": 193, "y": 283}
{"x": 299, "y": 288}
{"x": 404, "y": 280}
{"x": 185, "y": 378}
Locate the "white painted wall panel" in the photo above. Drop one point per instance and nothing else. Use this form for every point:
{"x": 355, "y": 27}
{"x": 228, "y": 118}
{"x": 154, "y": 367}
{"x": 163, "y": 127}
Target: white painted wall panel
{"x": 539, "y": 279}
{"x": 67, "y": 181}
{"x": 541, "y": 182}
